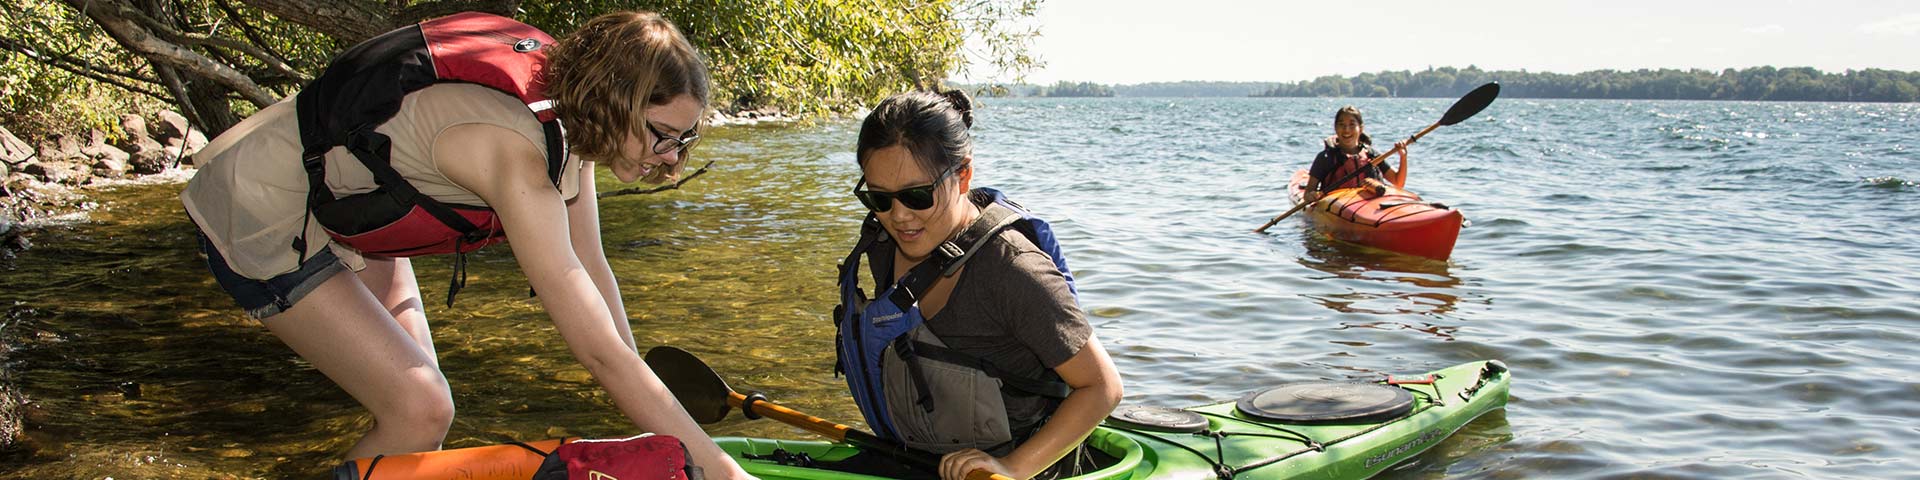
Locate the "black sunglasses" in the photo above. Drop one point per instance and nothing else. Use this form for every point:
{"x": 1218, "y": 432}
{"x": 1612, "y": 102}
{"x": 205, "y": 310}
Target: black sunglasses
{"x": 666, "y": 144}
{"x": 916, "y": 198}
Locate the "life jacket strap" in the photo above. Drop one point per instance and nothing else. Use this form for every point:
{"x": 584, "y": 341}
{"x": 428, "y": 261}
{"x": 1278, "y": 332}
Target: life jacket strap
{"x": 950, "y": 255}
{"x": 1019, "y": 384}
{"x": 459, "y": 279}
{"x": 923, "y": 394}
{"x": 556, "y": 148}
{"x": 315, "y": 163}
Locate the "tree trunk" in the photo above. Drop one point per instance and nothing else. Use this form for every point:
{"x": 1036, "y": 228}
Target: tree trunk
{"x": 352, "y": 21}
{"x": 204, "y": 101}
{"x": 349, "y": 21}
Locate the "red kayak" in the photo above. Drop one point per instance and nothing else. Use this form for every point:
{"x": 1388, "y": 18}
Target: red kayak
{"x": 1398, "y": 221}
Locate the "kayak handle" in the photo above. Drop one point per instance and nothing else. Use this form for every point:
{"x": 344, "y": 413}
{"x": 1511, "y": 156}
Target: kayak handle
{"x": 1421, "y": 380}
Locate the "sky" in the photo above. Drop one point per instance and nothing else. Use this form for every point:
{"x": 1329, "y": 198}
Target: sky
{"x": 1136, "y": 41}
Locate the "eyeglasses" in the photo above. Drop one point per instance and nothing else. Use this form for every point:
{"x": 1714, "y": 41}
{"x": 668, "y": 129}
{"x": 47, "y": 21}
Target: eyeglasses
{"x": 916, "y": 198}
{"x": 666, "y": 144}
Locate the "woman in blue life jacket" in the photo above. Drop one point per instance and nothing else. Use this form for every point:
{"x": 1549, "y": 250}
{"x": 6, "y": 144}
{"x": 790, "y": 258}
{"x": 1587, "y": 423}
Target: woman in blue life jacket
{"x": 1350, "y": 149}
{"x": 631, "y": 91}
{"x": 973, "y": 344}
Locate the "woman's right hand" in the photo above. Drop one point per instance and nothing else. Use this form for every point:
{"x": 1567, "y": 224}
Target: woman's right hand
{"x": 957, "y": 465}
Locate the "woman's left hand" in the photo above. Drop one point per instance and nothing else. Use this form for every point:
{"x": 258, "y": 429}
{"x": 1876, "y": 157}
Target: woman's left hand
{"x": 956, "y": 465}
{"x": 1402, "y": 147}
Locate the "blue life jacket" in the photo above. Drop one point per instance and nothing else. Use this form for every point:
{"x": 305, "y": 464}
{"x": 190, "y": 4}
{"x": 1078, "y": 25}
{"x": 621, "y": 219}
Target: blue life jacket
{"x": 890, "y": 329}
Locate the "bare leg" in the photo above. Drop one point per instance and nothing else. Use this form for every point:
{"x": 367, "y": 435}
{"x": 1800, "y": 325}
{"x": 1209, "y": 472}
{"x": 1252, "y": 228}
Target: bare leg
{"x": 391, "y": 280}
{"x": 343, "y": 330}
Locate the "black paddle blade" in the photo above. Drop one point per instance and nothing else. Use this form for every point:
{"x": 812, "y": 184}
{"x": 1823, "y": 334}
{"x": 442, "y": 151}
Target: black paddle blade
{"x": 700, "y": 390}
{"x": 1473, "y": 103}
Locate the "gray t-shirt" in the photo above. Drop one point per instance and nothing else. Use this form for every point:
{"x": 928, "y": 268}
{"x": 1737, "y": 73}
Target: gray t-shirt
{"x": 1012, "y": 309}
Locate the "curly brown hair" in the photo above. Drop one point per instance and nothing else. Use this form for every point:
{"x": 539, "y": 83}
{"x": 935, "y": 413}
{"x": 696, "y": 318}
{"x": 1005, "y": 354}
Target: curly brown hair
{"x": 603, "y": 76}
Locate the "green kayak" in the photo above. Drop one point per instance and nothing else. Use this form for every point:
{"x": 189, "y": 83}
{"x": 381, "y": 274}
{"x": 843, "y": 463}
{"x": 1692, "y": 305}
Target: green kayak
{"x": 1256, "y": 437}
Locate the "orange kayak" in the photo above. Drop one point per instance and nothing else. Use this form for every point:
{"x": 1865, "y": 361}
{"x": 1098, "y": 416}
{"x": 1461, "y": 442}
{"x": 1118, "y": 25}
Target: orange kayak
{"x": 494, "y": 462}
{"x": 1398, "y": 221}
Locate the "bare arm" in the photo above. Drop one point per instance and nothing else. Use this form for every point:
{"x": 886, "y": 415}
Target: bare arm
{"x": 583, "y": 225}
{"x": 1096, "y": 390}
{"x": 503, "y": 169}
{"x": 1399, "y": 175}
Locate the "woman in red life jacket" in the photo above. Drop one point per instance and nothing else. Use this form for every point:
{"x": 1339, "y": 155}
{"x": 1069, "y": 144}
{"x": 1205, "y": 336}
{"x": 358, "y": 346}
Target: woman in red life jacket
{"x": 630, "y": 91}
{"x": 1348, "y": 150}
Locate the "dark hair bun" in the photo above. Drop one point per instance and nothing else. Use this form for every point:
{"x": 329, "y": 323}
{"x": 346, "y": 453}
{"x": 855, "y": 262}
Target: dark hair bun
{"x": 961, "y": 103}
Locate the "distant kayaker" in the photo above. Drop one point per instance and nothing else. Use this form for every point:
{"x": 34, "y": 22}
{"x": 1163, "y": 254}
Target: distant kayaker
{"x": 973, "y": 344}
{"x": 1348, "y": 150}
{"x": 455, "y": 163}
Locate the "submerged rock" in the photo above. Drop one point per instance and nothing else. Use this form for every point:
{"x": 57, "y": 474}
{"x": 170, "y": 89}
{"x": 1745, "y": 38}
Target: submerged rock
{"x": 10, "y": 420}
{"x": 174, "y": 131}
{"x": 11, "y": 402}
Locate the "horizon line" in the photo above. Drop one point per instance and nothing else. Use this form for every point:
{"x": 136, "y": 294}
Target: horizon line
{"x": 1469, "y": 66}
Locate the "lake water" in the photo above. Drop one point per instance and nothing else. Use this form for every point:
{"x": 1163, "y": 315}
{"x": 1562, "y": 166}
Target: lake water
{"x": 1683, "y": 290}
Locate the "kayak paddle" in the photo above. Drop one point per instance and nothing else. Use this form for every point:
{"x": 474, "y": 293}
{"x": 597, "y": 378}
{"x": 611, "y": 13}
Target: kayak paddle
{"x": 1465, "y": 107}
{"x": 707, "y": 399}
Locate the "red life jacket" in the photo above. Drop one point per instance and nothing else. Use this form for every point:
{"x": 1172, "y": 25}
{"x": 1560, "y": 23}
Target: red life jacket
{"x": 643, "y": 457}
{"x": 1349, "y": 163}
{"x": 363, "y": 89}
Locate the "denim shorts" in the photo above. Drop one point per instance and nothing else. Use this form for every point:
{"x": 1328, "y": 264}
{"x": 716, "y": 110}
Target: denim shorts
{"x": 262, "y": 299}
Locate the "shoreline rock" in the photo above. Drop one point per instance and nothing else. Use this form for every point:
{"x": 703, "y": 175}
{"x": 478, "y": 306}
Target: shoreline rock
{"x": 44, "y": 184}
{"x": 765, "y": 115}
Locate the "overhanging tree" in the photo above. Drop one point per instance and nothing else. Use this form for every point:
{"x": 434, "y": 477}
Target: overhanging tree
{"x": 217, "y": 60}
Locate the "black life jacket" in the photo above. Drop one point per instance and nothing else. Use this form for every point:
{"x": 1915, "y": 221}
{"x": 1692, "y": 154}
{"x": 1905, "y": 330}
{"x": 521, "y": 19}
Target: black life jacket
{"x": 363, "y": 89}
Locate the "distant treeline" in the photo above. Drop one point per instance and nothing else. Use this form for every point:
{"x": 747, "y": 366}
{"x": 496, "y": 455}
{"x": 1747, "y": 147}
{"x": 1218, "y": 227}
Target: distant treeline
{"x": 1193, "y": 89}
{"x": 1065, "y": 88}
{"x": 1155, "y": 89}
{"x": 1757, "y": 83}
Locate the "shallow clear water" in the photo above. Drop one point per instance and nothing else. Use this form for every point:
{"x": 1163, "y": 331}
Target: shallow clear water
{"x": 1684, "y": 290}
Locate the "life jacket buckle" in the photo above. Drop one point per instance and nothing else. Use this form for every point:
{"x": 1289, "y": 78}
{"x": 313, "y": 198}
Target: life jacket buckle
{"x": 312, "y": 159}
{"x": 951, "y": 250}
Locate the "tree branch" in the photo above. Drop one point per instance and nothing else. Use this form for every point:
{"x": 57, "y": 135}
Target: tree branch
{"x": 172, "y": 34}
{"x": 262, "y": 55}
{"x": 182, "y": 98}
{"x": 349, "y": 21}
{"x": 247, "y": 29}
{"x": 422, "y": 11}
{"x": 662, "y": 188}
{"x": 352, "y": 21}
{"x": 119, "y": 21}
{"x": 84, "y": 69}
